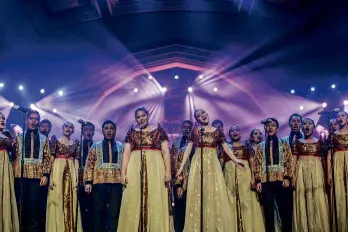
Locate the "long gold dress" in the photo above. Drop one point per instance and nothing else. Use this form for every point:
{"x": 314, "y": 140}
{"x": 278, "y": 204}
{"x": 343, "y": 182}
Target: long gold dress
{"x": 155, "y": 209}
{"x": 340, "y": 168}
{"x": 62, "y": 194}
{"x": 8, "y": 207}
{"x": 248, "y": 209}
{"x": 217, "y": 212}
{"x": 311, "y": 210}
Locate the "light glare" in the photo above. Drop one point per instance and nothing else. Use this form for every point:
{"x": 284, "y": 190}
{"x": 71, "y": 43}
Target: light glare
{"x": 11, "y": 104}
{"x": 164, "y": 89}
{"x": 32, "y": 106}
{"x": 42, "y": 91}
{"x": 21, "y": 87}
{"x": 176, "y": 77}
{"x": 345, "y": 102}
{"x": 2, "y": 85}
{"x": 201, "y": 77}
{"x": 54, "y": 110}
{"x": 333, "y": 86}
{"x": 312, "y": 89}
{"x": 324, "y": 104}
{"x": 136, "y": 90}
{"x": 215, "y": 89}
{"x": 292, "y": 91}
{"x": 190, "y": 89}
{"x": 61, "y": 92}
{"x": 150, "y": 77}
{"x": 301, "y": 107}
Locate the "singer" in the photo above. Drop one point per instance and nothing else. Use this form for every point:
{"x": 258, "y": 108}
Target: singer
{"x": 155, "y": 166}
{"x": 36, "y": 172}
{"x": 218, "y": 215}
{"x": 273, "y": 173}
{"x": 62, "y": 194}
{"x": 103, "y": 177}
{"x": 246, "y": 206}
{"x": 339, "y": 158}
{"x": 9, "y": 214}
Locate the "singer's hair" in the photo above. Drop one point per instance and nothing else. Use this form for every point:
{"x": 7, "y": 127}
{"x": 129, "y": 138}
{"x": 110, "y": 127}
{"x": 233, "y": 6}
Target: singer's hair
{"x": 341, "y": 111}
{"x": 30, "y": 112}
{"x": 308, "y": 119}
{"x": 232, "y": 127}
{"x": 332, "y": 120}
{"x": 295, "y": 115}
{"x": 272, "y": 120}
{"x": 2, "y": 114}
{"x": 108, "y": 122}
{"x": 88, "y": 124}
{"x": 47, "y": 122}
{"x": 141, "y": 109}
{"x": 217, "y": 121}
{"x": 187, "y": 121}
{"x": 252, "y": 132}
{"x": 68, "y": 123}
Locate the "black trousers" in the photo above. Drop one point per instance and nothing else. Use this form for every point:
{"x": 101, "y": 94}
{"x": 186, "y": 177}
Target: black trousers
{"x": 275, "y": 191}
{"x": 34, "y": 202}
{"x": 86, "y": 205}
{"x": 179, "y": 211}
{"x": 106, "y": 204}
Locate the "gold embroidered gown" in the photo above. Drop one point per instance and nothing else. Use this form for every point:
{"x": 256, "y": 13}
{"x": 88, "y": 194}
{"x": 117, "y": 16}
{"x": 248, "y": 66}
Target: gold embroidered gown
{"x": 155, "y": 208}
{"x": 8, "y": 207}
{"x": 311, "y": 211}
{"x": 62, "y": 194}
{"x": 217, "y": 212}
{"x": 340, "y": 167}
{"x": 244, "y": 201}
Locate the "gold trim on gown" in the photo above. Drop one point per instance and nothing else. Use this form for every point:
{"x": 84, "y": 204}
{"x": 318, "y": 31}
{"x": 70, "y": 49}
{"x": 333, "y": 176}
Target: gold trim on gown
{"x": 8, "y": 206}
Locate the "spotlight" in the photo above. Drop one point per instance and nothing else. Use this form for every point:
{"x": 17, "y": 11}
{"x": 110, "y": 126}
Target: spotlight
{"x": 292, "y": 91}
{"x": 21, "y": 87}
{"x": 190, "y": 89}
{"x": 2, "y": 85}
{"x": 150, "y": 77}
{"x": 333, "y": 86}
{"x": 42, "y": 91}
{"x": 176, "y": 77}
{"x": 324, "y": 104}
{"x": 32, "y": 106}
{"x": 136, "y": 90}
{"x": 215, "y": 89}
{"x": 61, "y": 92}
{"x": 301, "y": 107}
{"x": 201, "y": 77}
{"x": 345, "y": 102}
{"x": 54, "y": 110}
{"x": 164, "y": 89}
{"x": 312, "y": 89}
{"x": 11, "y": 104}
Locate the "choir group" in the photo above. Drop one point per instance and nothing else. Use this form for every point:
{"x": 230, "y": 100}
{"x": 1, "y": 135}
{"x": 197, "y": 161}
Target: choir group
{"x": 202, "y": 182}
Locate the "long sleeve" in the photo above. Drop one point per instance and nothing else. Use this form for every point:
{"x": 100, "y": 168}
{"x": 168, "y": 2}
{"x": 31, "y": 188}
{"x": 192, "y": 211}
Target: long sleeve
{"x": 288, "y": 164}
{"x": 258, "y": 165}
{"x": 89, "y": 167}
{"x": 46, "y": 159}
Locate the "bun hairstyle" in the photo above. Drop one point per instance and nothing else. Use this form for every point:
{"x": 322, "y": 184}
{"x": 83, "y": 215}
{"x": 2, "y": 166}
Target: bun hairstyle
{"x": 141, "y": 109}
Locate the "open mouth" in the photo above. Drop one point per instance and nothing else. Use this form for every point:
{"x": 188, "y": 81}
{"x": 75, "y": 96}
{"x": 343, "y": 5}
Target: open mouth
{"x": 2, "y": 123}
{"x": 307, "y": 130}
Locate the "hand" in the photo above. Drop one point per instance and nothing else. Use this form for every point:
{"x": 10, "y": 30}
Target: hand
{"x": 52, "y": 185}
{"x": 286, "y": 183}
{"x": 293, "y": 181}
{"x": 43, "y": 181}
{"x": 178, "y": 173}
{"x": 329, "y": 181}
{"x": 124, "y": 180}
{"x": 240, "y": 164}
{"x": 259, "y": 187}
{"x": 180, "y": 192}
{"x": 88, "y": 188}
{"x": 167, "y": 177}
{"x": 252, "y": 186}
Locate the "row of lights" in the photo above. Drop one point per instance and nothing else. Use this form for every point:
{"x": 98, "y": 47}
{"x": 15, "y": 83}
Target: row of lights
{"x": 164, "y": 89}
{"x": 42, "y": 91}
{"x": 333, "y": 86}
{"x": 324, "y": 104}
{"x": 176, "y": 77}
{"x": 32, "y": 106}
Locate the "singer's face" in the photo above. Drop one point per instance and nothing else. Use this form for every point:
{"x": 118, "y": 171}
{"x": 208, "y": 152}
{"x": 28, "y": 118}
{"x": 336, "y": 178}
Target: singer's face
{"x": 109, "y": 131}
{"x": 68, "y": 129}
{"x": 295, "y": 124}
{"x": 256, "y": 136}
{"x": 218, "y": 126}
{"x": 271, "y": 128}
{"x": 88, "y": 132}
{"x": 202, "y": 117}
{"x": 45, "y": 128}
{"x": 308, "y": 127}
{"x": 235, "y": 133}
{"x": 33, "y": 121}
{"x": 142, "y": 119}
{"x": 334, "y": 126}
{"x": 2, "y": 121}
{"x": 186, "y": 128}
{"x": 342, "y": 118}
